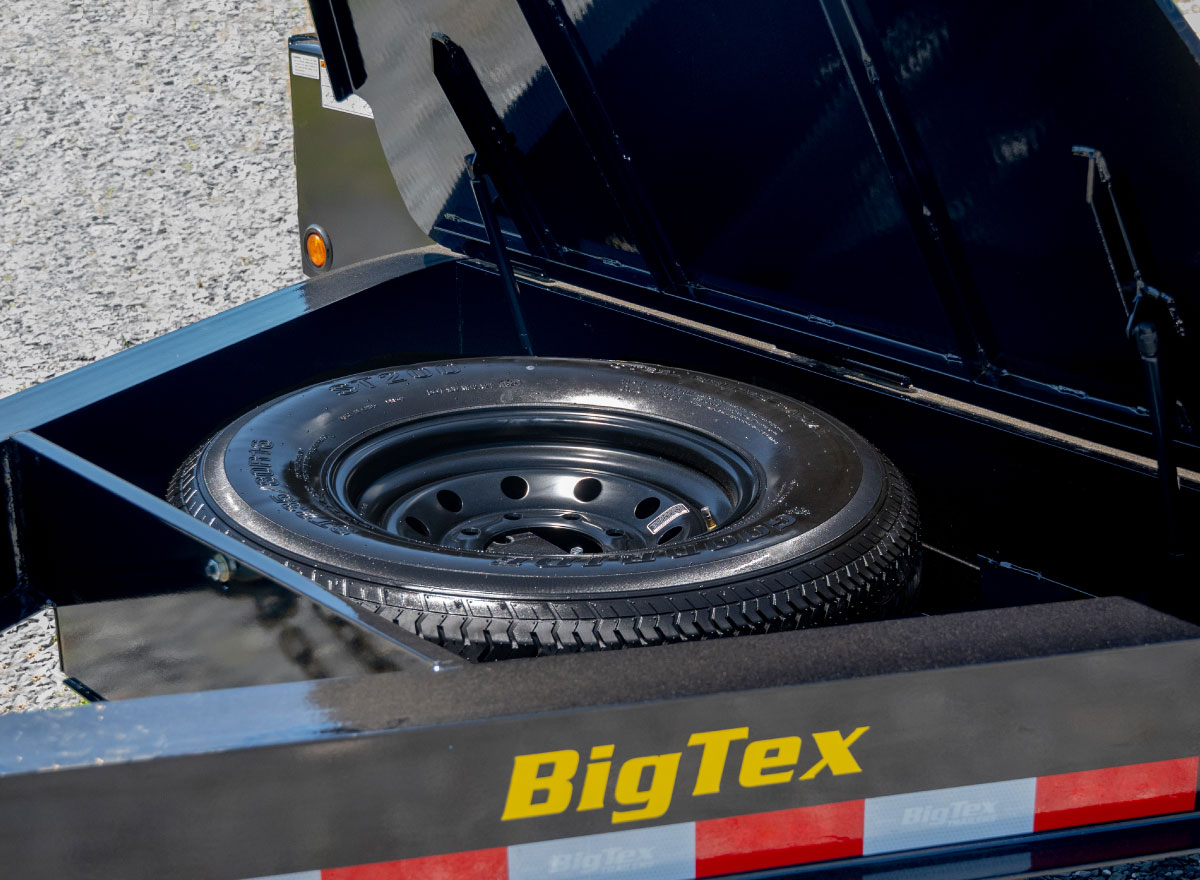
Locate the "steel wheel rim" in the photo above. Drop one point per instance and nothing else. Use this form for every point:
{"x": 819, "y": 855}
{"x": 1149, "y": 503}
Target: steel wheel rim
{"x": 540, "y": 481}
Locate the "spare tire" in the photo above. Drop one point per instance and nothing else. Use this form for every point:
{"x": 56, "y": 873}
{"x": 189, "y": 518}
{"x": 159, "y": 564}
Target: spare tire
{"x": 515, "y": 506}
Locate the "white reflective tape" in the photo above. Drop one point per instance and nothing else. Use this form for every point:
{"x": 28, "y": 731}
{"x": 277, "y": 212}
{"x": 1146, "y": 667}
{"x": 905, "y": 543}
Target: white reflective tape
{"x": 664, "y": 853}
{"x": 948, "y": 815}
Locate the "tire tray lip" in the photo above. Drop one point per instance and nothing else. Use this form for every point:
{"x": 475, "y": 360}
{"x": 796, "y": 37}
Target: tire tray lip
{"x": 364, "y": 558}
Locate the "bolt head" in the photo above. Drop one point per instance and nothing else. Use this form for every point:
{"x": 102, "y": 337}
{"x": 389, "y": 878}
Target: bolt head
{"x": 217, "y": 569}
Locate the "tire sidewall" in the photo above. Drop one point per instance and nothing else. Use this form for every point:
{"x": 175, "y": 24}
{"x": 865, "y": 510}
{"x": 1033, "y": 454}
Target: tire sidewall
{"x": 262, "y": 476}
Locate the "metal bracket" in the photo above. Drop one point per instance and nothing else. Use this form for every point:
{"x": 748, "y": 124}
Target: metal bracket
{"x": 1149, "y": 312}
{"x": 1098, "y": 167}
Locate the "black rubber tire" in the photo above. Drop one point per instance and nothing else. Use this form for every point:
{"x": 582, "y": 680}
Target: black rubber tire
{"x": 829, "y": 533}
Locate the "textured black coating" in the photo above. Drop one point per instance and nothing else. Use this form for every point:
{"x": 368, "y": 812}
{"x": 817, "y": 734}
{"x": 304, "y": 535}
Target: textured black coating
{"x": 830, "y": 536}
{"x": 856, "y": 650}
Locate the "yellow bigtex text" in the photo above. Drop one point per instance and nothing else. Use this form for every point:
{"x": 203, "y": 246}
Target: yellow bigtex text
{"x": 548, "y": 783}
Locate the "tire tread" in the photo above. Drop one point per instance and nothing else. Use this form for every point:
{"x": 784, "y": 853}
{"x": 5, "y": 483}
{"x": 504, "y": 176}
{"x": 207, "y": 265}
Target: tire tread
{"x": 871, "y": 574}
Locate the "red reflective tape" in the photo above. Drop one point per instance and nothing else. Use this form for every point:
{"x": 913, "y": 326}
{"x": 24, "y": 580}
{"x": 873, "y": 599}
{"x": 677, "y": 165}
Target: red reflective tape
{"x": 1095, "y": 796}
{"x": 455, "y": 866}
{"x": 773, "y": 840}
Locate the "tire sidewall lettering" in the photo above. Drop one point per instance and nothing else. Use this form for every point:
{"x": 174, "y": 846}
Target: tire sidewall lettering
{"x": 355, "y": 405}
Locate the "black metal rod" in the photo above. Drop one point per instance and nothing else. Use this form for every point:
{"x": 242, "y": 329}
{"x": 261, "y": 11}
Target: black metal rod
{"x": 1145, "y": 336}
{"x": 569, "y": 64}
{"x": 492, "y": 143}
{"x": 918, "y": 193}
{"x": 431, "y": 656}
{"x": 483, "y": 198}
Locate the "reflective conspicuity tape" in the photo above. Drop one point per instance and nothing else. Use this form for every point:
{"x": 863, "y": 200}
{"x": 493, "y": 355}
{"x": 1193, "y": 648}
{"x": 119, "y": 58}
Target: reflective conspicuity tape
{"x": 454, "y": 866}
{"x": 778, "y": 839}
{"x": 1069, "y": 800}
{"x": 948, "y": 815}
{"x": 895, "y": 823}
{"x": 667, "y": 852}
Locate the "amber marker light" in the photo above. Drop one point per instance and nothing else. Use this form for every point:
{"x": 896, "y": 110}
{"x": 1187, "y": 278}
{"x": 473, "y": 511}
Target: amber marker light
{"x": 318, "y": 253}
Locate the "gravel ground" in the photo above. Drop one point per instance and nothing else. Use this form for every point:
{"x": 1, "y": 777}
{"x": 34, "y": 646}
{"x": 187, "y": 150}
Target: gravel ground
{"x": 147, "y": 177}
{"x": 148, "y": 183}
{"x": 30, "y": 677}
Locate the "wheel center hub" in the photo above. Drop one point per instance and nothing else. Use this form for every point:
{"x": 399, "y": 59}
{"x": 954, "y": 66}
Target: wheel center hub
{"x": 542, "y": 483}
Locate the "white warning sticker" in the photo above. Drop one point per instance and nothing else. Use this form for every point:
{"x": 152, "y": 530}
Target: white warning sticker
{"x": 665, "y": 518}
{"x": 305, "y": 65}
{"x": 353, "y": 104}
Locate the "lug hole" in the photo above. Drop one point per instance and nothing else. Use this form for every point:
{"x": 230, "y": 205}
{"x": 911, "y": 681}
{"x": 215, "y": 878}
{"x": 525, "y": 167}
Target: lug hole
{"x": 571, "y": 516}
{"x": 449, "y": 500}
{"x": 470, "y": 531}
{"x": 669, "y": 534}
{"x": 588, "y": 489}
{"x": 512, "y": 516}
{"x": 514, "y": 487}
{"x": 417, "y": 526}
{"x": 615, "y": 533}
{"x": 646, "y": 507}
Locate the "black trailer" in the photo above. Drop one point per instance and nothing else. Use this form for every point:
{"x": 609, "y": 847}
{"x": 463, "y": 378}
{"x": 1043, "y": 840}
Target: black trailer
{"x": 962, "y": 231}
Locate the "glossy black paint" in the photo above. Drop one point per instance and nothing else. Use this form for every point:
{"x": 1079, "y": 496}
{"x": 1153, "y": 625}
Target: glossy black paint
{"x": 856, "y": 307}
{"x": 343, "y": 184}
{"x": 493, "y": 149}
{"x": 346, "y": 70}
{"x": 265, "y": 633}
{"x": 895, "y": 176}
{"x": 358, "y": 770}
{"x": 163, "y": 764}
{"x": 575, "y": 77}
{"x": 958, "y": 458}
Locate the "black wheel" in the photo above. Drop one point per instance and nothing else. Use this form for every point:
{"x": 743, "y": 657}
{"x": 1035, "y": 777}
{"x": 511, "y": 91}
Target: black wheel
{"x": 514, "y": 506}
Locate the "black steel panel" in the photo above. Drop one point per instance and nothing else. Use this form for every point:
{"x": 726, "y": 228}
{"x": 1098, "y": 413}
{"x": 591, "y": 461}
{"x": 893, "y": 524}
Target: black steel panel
{"x": 765, "y": 175}
{"x": 557, "y": 167}
{"x": 894, "y": 176}
{"x": 1029, "y": 495}
{"x": 154, "y": 560}
{"x": 343, "y": 183}
{"x": 298, "y": 776}
{"x": 959, "y": 459}
{"x": 303, "y": 338}
{"x": 998, "y": 102}
{"x": 330, "y": 792}
{"x": 208, "y": 636}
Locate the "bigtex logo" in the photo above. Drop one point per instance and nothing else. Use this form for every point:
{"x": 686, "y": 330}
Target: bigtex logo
{"x": 957, "y": 813}
{"x": 548, "y": 783}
